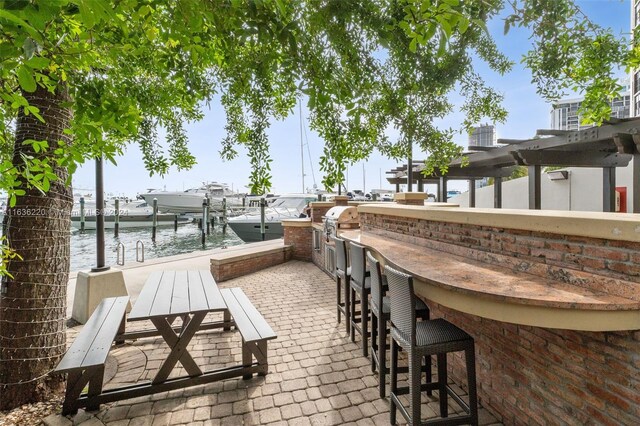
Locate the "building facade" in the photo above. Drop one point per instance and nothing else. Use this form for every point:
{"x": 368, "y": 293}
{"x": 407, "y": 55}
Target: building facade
{"x": 565, "y": 113}
{"x": 483, "y": 135}
{"x": 635, "y": 74}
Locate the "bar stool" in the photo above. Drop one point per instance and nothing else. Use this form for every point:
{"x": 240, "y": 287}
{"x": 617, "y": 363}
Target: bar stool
{"x": 380, "y": 309}
{"x": 426, "y": 338}
{"x": 360, "y": 284}
{"x": 343, "y": 275}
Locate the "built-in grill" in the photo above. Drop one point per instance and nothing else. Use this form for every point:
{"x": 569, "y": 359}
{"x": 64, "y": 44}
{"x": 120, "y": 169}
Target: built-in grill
{"x": 340, "y": 217}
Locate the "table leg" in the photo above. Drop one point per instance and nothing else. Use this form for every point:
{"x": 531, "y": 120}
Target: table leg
{"x": 247, "y": 359}
{"x": 121, "y": 330}
{"x": 178, "y": 345}
{"x": 95, "y": 387}
{"x": 227, "y": 320}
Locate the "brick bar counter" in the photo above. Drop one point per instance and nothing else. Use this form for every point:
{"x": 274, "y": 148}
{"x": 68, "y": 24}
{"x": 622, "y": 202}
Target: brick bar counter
{"x": 552, "y": 299}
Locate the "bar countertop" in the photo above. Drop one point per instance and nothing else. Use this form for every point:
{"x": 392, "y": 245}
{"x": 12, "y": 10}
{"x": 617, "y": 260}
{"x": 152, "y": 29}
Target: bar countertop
{"x": 501, "y": 293}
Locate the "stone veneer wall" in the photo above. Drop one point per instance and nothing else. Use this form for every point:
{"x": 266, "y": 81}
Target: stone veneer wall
{"x": 301, "y": 238}
{"x": 247, "y": 265}
{"x": 598, "y": 264}
{"x": 532, "y": 375}
{"x": 317, "y": 212}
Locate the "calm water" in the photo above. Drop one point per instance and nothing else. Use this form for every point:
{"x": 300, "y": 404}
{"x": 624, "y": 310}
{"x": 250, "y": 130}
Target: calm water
{"x": 167, "y": 243}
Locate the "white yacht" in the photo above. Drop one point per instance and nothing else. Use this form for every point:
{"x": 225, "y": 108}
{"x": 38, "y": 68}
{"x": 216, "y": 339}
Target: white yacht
{"x": 286, "y": 206}
{"x": 190, "y": 201}
{"x": 133, "y": 214}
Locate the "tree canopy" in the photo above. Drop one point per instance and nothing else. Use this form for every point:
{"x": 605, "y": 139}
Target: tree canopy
{"x": 364, "y": 66}
{"x": 120, "y": 70}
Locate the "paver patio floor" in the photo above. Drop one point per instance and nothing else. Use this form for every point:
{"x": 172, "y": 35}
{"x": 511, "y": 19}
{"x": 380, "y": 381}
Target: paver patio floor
{"x": 316, "y": 374}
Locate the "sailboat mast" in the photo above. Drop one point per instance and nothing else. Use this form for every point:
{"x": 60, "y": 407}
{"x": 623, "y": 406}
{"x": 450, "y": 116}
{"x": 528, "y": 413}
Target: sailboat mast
{"x": 301, "y": 146}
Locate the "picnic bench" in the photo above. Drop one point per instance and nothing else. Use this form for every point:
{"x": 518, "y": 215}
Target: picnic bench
{"x": 85, "y": 359}
{"x": 165, "y": 297}
{"x": 252, "y": 326}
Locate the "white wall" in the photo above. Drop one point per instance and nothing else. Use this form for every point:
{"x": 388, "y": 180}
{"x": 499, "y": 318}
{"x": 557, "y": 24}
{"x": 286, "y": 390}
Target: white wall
{"x": 582, "y": 191}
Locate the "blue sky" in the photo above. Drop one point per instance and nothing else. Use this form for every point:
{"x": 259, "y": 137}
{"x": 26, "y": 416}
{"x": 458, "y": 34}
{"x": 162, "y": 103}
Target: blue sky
{"x": 527, "y": 112}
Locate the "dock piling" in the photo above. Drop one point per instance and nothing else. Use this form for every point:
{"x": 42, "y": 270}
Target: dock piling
{"x": 207, "y": 214}
{"x": 175, "y": 223}
{"x": 154, "y": 225}
{"x": 116, "y": 224}
{"x": 224, "y": 214}
{"x": 82, "y": 216}
{"x": 224, "y": 211}
{"x": 203, "y": 220}
{"x": 263, "y": 204}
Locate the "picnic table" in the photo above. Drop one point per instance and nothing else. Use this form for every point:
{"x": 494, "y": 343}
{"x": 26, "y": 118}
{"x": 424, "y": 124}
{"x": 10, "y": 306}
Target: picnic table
{"x": 165, "y": 297}
{"x": 168, "y": 295}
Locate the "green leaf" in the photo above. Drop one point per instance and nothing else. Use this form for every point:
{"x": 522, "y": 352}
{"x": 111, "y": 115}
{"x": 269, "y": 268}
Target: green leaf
{"x": 413, "y": 45}
{"x": 26, "y": 80}
{"x": 151, "y": 33}
{"x": 463, "y": 25}
{"x": 87, "y": 12}
{"x": 143, "y": 11}
{"x": 8, "y": 16}
{"x": 29, "y": 47}
{"x": 36, "y": 113}
{"x": 442, "y": 48}
{"x": 38, "y": 62}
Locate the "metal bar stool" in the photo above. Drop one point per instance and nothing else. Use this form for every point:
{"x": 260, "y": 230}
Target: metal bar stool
{"x": 361, "y": 285}
{"x": 343, "y": 275}
{"x": 421, "y": 339}
{"x": 380, "y": 309}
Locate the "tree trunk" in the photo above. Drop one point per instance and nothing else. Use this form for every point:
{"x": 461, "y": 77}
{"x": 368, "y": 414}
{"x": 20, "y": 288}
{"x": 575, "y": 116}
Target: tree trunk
{"x": 33, "y": 303}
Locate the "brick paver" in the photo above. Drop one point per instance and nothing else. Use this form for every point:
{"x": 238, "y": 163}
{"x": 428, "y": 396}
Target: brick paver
{"x": 317, "y": 376}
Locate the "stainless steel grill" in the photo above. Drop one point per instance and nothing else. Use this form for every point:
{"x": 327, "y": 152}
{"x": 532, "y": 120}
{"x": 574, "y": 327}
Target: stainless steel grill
{"x": 340, "y": 217}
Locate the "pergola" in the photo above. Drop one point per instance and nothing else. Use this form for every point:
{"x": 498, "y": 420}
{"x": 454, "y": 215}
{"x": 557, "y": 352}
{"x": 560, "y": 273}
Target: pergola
{"x": 611, "y": 145}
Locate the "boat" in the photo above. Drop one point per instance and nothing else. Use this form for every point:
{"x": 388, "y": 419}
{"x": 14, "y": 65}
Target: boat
{"x": 133, "y": 214}
{"x": 286, "y": 206}
{"x": 247, "y": 225}
{"x": 358, "y": 195}
{"x": 453, "y": 193}
{"x": 190, "y": 201}
{"x": 254, "y": 200}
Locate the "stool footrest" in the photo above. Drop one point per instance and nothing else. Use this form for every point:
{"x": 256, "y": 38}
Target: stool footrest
{"x": 423, "y": 388}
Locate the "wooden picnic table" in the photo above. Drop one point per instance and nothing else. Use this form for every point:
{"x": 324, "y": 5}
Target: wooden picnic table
{"x": 189, "y": 295}
{"x": 167, "y": 295}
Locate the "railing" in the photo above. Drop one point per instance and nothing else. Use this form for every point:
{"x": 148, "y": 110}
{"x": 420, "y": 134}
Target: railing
{"x": 119, "y": 251}
{"x": 139, "y": 251}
